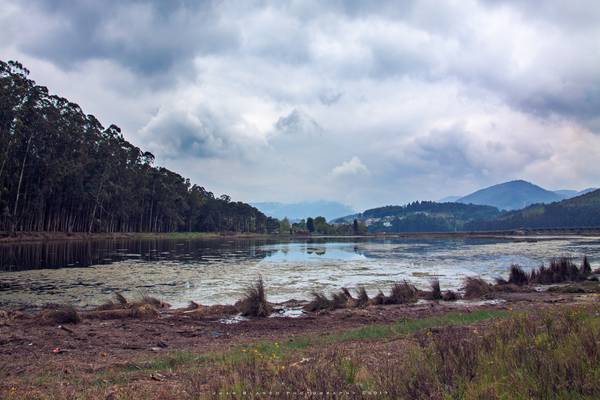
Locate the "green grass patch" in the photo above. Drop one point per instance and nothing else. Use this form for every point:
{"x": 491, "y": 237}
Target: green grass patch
{"x": 407, "y": 326}
{"x": 280, "y": 350}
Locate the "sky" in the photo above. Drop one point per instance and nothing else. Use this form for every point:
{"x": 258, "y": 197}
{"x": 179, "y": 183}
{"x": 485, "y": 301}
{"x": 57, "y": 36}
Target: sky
{"x": 367, "y": 103}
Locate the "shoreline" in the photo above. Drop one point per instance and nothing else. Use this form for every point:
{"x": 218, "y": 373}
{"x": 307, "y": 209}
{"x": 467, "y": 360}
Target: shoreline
{"x": 173, "y": 347}
{"x": 535, "y": 234}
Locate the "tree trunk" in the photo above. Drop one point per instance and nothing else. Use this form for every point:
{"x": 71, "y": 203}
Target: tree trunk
{"x": 16, "y": 207}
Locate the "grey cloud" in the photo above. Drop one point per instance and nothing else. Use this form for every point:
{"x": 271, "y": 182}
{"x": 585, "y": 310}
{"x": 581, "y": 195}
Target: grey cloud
{"x": 148, "y": 37}
{"x": 330, "y": 97}
{"x": 297, "y": 123}
{"x": 173, "y": 134}
{"x": 298, "y": 87}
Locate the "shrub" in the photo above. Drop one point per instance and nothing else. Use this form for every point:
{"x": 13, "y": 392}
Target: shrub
{"x": 254, "y": 303}
{"x": 402, "y": 293}
{"x": 517, "y": 276}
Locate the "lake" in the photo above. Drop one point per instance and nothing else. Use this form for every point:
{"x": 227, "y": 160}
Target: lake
{"x": 215, "y": 271}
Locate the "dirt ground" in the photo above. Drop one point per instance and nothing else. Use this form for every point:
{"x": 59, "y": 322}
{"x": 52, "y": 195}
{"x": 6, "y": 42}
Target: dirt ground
{"x": 29, "y": 347}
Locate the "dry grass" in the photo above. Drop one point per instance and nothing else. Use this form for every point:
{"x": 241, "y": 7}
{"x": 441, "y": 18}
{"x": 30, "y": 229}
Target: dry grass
{"x": 61, "y": 315}
{"x": 319, "y": 302}
{"x": 436, "y": 291}
{"x": 477, "y": 288}
{"x": 551, "y": 354}
{"x": 362, "y": 299}
{"x": 402, "y": 293}
{"x": 517, "y": 276}
{"x": 144, "y": 311}
{"x": 586, "y": 268}
{"x": 254, "y": 303}
{"x": 378, "y": 299}
{"x": 450, "y": 295}
{"x": 560, "y": 270}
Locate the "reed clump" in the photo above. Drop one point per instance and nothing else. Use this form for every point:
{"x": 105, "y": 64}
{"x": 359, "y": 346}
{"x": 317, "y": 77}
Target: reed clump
{"x": 517, "y": 276}
{"x": 254, "y": 303}
{"x": 477, "y": 288}
{"x": 436, "y": 291}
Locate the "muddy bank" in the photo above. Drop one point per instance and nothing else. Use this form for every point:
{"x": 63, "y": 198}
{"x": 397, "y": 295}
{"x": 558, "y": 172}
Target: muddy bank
{"x": 28, "y": 342}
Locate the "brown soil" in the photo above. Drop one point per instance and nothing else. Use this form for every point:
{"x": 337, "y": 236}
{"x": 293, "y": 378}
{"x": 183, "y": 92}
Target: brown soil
{"x": 28, "y": 346}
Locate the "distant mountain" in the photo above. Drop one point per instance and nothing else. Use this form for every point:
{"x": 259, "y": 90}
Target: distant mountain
{"x": 567, "y": 194}
{"x": 511, "y": 195}
{"x": 302, "y": 210}
{"x": 449, "y": 199}
{"x": 577, "y": 212}
{"x": 423, "y": 216}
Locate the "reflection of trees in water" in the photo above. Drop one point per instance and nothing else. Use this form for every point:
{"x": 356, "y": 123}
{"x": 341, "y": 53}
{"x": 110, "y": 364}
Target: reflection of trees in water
{"x": 24, "y": 256}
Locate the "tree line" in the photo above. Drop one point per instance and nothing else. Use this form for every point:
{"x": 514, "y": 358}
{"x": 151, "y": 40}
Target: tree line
{"x": 62, "y": 171}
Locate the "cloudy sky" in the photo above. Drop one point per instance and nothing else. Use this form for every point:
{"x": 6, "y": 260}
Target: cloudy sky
{"x": 364, "y": 102}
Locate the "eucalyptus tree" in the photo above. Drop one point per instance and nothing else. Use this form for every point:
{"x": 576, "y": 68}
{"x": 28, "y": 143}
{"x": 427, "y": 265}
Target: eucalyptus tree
{"x": 61, "y": 170}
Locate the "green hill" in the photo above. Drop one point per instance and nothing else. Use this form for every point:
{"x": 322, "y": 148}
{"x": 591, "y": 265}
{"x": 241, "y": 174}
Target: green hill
{"x": 424, "y": 216}
{"x": 511, "y": 195}
{"x": 577, "y": 212}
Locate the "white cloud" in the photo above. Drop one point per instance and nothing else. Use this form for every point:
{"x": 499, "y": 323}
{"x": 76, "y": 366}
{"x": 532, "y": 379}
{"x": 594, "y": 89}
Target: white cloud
{"x": 349, "y": 168}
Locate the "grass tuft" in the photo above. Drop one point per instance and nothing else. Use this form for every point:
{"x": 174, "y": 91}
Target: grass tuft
{"x": 450, "y": 295}
{"x": 362, "y": 298}
{"x": 319, "y": 302}
{"x": 402, "y": 293}
{"x": 477, "y": 288}
{"x": 517, "y": 276}
{"x": 436, "y": 291}
{"x": 254, "y": 303}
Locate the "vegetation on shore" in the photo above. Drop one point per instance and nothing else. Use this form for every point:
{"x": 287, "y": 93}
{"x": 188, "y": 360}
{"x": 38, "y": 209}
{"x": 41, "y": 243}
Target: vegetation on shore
{"x": 547, "y": 354}
{"x": 493, "y": 354}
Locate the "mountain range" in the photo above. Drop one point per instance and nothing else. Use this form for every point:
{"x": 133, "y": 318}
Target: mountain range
{"x": 576, "y": 212}
{"x": 302, "y": 210}
{"x": 510, "y": 205}
{"x": 514, "y": 195}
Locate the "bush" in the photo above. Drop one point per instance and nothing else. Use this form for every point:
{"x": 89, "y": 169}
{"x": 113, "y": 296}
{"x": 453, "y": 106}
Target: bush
{"x": 254, "y": 303}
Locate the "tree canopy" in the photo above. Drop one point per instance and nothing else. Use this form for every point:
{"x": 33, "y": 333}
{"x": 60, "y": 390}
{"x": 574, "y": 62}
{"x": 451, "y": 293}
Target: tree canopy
{"x": 61, "y": 170}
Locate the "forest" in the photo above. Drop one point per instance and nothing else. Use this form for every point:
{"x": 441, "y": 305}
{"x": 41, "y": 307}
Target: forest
{"x": 62, "y": 171}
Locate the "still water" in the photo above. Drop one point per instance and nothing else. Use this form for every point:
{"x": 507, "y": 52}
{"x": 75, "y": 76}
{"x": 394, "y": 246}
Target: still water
{"x": 216, "y": 271}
